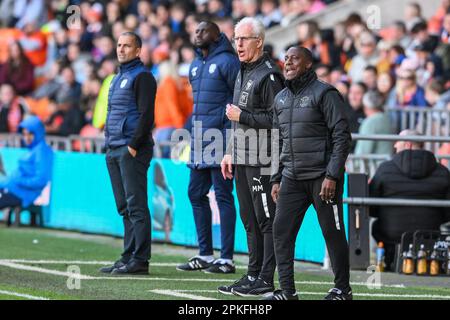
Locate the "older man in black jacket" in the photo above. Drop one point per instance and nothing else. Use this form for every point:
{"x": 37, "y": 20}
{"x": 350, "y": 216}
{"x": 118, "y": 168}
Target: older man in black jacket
{"x": 413, "y": 173}
{"x": 315, "y": 142}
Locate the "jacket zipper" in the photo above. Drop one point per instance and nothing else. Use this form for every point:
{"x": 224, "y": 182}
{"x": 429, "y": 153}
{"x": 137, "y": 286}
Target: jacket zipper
{"x": 290, "y": 127}
{"x": 234, "y": 124}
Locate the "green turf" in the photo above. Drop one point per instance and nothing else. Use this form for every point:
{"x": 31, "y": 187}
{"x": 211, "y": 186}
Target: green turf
{"x": 22, "y": 244}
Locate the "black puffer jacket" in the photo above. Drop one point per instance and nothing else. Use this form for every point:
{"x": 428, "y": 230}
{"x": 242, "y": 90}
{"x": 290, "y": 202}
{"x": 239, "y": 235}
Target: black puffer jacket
{"x": 411, "y": 174}
{"x": 314, "y": 133}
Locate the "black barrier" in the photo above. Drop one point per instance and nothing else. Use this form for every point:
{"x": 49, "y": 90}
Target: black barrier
{"x": 358, "y": 223}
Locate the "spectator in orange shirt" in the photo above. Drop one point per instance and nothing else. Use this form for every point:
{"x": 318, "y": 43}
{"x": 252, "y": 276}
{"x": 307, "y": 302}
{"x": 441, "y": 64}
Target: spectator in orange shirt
{"x": 34, "y": 44}
{"x": 170, "y": 104}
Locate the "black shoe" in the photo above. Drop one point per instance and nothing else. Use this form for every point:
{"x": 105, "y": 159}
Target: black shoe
{"x": 241, "y": 282}
{"x": 195, "y": 263}
{"x": 337, "y": 294}
{"x": 254, "y": 289}
{"x": 133, "y": 268}
{"x": 109, "y": 269}
{"x": 281, "y": 295}
{"x": 222, "y": 268}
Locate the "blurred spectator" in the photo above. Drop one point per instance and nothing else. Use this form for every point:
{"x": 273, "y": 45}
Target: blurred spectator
{"x": 173, "y": 104}
{"x": 271, "y": 14}
{"x": 384, "y": 60}
{"x": 376, "y": 122}
{"x": 311, "y": 6}
{"x": 421, "y": 35}
{"x": 250, "y": 8}
{"x": 70, "y": 89}
{"x": 66, "y": 118}
{"x": 367, "y": 55}
{"x": 34, "y": 169}
{"x": 412, "y": 15}
{"x": 429, "y": 64}
{"x": 18, "y": 70}
{"x": 11, "y": 109}
{"x": 413, "y": 173}
{"x": 28, "y": 11}
{"x": 408, "y": 92}
{"x": 436, "y": 95}
{"x": 89, "y": 94}
{"x": 400, "y": 34}
{"x": 101, "y": 105}
{"x": 385, "y": 86}
{"x": 310, "y": 37}
{"x": 6, "y": 13}
{"x": 370, "y": 75}
{"x": 323, "y": 72}
{"x": 34, "y": 44}
{"x": 355, "y": 111}
{"x": 439, "y": 99}
{"x": 435, "y": 22}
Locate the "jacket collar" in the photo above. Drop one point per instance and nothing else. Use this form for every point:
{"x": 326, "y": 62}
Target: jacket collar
{"x": 252, "y": 65}
{"x": 297, "y": 84}
{"x": 124, "y": 67}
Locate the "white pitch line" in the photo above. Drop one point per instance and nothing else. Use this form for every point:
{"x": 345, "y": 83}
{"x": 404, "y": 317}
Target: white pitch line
{"x": 43, "y": 270}
{"x": 381, "y": 295}
{"x": 18, "y": 264}
{"x": 155, "y": 264}
{"x": 85, "y": 277}
{"x": 22, "y": 295}
{"x": 178, "y": 294}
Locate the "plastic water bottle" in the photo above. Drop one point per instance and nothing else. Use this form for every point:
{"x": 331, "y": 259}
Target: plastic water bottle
{"x": 408, "y": 261}
{"x": 380, "y": 257}
{"x": 422, "y": 266}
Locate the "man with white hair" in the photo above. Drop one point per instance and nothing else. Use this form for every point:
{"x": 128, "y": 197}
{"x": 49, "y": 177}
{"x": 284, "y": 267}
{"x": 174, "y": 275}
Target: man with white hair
{"x": 258, "y": 82}
{"x": 376, "y": 122}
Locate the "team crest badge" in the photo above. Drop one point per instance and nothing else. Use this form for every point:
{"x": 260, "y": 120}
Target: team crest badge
{"x": 304, "y": 102}
{"x": 194, "y": 71}
{"x": 212, "y": 68}
{"x": 123, "y": 83}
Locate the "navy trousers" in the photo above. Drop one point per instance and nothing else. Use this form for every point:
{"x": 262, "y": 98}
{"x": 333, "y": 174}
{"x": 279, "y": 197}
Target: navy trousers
{"x": 129, "y": 182}
{"x": 8, "y": 199}
{"x": 200, "y": 183}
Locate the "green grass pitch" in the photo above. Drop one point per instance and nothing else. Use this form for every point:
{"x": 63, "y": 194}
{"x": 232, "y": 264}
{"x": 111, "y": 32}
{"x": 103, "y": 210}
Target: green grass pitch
{"x": 39, "y": 264}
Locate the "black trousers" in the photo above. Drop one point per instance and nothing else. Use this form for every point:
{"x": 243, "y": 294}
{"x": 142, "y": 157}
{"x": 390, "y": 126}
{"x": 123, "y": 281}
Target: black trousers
{"x": 294, "y": 199}
{"x": 257, "y": 211}
{"x": 129, "y": 182}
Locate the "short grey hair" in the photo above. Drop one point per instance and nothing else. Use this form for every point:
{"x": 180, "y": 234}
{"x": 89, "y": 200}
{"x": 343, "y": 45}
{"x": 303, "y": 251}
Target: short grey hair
{"x": 373, "y": 100}
{"x": 256, "y": 24}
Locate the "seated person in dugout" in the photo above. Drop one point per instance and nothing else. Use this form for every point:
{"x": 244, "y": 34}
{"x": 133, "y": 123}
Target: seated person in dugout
{"x": 413, "y": 173}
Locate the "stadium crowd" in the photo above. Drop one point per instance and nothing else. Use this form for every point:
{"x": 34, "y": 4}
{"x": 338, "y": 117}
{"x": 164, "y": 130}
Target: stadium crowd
{"x": 60, "y": 69}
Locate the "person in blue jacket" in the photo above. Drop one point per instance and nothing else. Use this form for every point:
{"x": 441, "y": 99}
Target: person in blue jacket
{"x": 25, "y": 184}
{"x": 212, "y": 76}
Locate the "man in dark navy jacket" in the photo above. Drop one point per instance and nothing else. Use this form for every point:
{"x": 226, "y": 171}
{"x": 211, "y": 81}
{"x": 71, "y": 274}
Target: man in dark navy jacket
{"x": 129, "y": 143}
{"x": 212, "y": 75}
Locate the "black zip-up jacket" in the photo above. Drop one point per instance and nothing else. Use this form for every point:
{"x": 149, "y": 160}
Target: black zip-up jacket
{"x": 256, "y": 86}
{"x": 411, "y": 174}
{"x": 313, "y": 129}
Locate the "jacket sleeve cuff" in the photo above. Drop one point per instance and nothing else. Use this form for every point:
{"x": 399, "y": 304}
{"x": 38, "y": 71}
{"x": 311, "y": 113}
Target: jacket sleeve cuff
{"x": 133, "y": 144}
{"x": 243, "y": 117}
{"x": 330, "y": 177}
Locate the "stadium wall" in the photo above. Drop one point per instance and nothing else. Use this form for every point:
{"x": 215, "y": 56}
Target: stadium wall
{"x": 82, "y": 200}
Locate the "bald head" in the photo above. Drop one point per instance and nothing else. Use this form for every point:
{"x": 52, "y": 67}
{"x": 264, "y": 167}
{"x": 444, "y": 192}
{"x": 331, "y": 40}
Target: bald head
{"x": 408, "y": 145}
